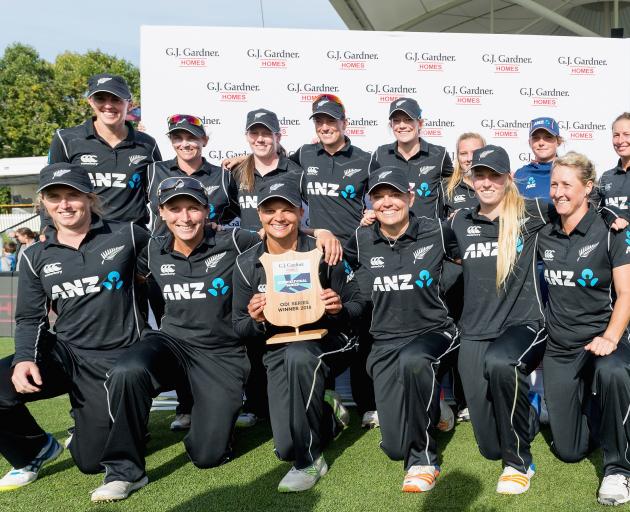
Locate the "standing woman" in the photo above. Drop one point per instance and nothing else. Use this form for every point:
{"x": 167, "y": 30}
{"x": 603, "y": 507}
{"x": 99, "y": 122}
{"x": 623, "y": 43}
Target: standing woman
{"x": 587, "y": 268}
{"x": 26, "y": 238}
{"x": 614, "y": 185}
{"x": 459, "y": 191}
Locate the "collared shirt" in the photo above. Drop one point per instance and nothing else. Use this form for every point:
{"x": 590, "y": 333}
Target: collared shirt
{"x": 405, "y": 277}
{"x": 334, "y": 186}
{"x": 250, "y": 278}
{"x": 118, "y": 174}
{"x": 614, "y": 188}
{"x": 197, "y": 289}
{"x": 426, "y": 170}
{"x": 219, "y": 184}
{"x": 533, "y": 180}
{"x": 463, "y": 197}
{"x": 89, "y": 288}
{"x": 578, "y": 271}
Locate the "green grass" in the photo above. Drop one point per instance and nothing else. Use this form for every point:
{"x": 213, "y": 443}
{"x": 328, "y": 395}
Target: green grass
{"x": 361, "y": 477}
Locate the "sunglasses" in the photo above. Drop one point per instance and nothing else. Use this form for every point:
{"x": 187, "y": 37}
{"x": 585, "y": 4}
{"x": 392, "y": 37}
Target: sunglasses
{"x": 175, "y": 183}
{"x": 184, "y": 118}
{"x": 329, "y": 97}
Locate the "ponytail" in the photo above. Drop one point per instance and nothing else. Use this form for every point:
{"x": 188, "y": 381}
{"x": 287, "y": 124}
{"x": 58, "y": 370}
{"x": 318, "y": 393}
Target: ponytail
{"x": 510, "y": 221}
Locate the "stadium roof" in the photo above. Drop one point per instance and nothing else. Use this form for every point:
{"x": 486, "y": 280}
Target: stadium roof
{"x": 552, "y": 17}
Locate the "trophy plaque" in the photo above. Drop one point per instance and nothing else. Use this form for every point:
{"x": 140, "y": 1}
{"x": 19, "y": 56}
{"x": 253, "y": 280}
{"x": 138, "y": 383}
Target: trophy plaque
{"x": 293, "y": 294}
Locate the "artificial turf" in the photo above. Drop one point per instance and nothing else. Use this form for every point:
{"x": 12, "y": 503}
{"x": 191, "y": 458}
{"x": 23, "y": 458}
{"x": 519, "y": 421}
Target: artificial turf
{"x": 361, "y": 477}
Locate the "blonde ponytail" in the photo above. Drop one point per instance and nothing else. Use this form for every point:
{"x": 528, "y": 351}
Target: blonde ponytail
{"x": 510, "y": 220}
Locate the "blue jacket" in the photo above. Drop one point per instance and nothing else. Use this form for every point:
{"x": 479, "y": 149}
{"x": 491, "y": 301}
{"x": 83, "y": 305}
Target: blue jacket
{"x": 533, "y": 180}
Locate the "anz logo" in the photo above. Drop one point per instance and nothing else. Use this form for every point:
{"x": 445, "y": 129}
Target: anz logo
{"x": 482, "y": 250}
{"x": 113, "y": 179}
{"x": 620, "y": 202}
{"x": 184, "y": 291}
{"x": 77, "y": 288}
{"x": 248, "y": 201}
{"x": 315, "y": 188}
{"x": 587, "y": 278}
{"x": 397, "y": 283}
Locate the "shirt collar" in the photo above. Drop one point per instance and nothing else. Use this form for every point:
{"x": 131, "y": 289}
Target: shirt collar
{"x": 304, "y": 244}
{"x": 90, "y": 131}
{"x": 345, "y": 148}
{"x": 411, "y": 232}
{"x": 206, "y": 242}
{"x": 619, "y": 169}
{"x": 205, "y": 168}
{"x": 582, "y": 226}
{"x": 96, "y": 224}
{"x": 424, "y": 149}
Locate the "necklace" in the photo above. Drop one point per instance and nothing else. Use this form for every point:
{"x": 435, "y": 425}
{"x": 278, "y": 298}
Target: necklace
{"x": 392, "y": 241}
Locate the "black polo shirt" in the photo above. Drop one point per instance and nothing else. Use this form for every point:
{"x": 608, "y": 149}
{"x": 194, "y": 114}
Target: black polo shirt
{"x": 250, "y": 278}
{"x": 614, "y": 188}
{"x": 578, "y": 271}
{"x": 89, "y": 288}
{"x": 118, "y": 174}
{"x": 248, "y": 201}
{"x": 197, "y": 289}
{"x": 463, "y": 197}
{"x": 426, "y": 169}
{"x": 219, "y": 184}
{"x": 334, "y": 186}
{"x": 488, "y": 312}
{"x": 405, "y": 277}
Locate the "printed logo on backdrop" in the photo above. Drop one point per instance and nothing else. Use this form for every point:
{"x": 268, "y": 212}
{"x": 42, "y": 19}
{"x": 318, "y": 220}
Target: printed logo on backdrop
{"x": 308, "y": 91}
{"x": 191, "y": 57}
{"x": 467, "y": 95}
{"x": 435, "y": 127}
{"x": 581, "y": 130}
{"x": 233, "y": 92}
{"x": 506, "y": 64}
{"x": 427, "y": 61}
{"x": 272, "y": 59}
{"x": 286, "y": 123}
{"x": 220, "y": 154}
{"x": 506, "y": 128}
{"x": 360, "y": 126}
{"x": 582, "y": 65}
{"x": 541, "y": 97}
{"x": 352, "y": 60}
{"x": 386, "y": 93}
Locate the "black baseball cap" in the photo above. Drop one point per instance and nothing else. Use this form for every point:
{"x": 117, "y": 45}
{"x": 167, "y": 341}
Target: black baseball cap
{"x": 191, "y": 124}
{"x": 185, "y": 186}
{"x": 493, "y": 157}
{"x": 389, "y": 175}
{"x": 282, "y": 188}
{"x": 71, "y": 175}
{"x": 106, "y": 82}
{"x": 407, "y": 105}
{"x": 265, "y": 117}
{"x": 330, "y": 105}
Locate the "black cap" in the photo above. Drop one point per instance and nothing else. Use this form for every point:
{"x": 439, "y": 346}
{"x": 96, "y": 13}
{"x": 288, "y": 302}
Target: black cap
{"x": 493, "y": 157}
{"x": 407, "y": 105}
{"x": 265, "y": 117}
{"x": 106, "y": 82}
{"x": 191, "y": 124}
{"x": 393, "y": 176}
{"x": 286, "y": 188}
{"x": 71, "y": 175}
{"x": 329, "y": 105}
{"x": 186, "y": 186}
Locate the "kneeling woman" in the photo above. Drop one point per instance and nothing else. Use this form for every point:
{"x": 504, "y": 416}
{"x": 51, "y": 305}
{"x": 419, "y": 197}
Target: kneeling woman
{"x": 588, "y": 353}
{"x": 403, "y": 256}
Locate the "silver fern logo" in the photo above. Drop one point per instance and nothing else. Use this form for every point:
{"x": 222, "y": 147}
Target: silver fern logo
{"x": 60, "y": 172}
{"x": 136, "y": 159}
{"x": 384, "y": 175}
{"x": 484, "y": 154}
{"x": 110, "y": 254}
{"x": 585, "y": 251}
{"x": 425, "y": 169}
{"x": 213, "y": 261}
{"x": 419, "y": 254}
{"x": 210, "y": 189}
{"x": 350, "y": 172}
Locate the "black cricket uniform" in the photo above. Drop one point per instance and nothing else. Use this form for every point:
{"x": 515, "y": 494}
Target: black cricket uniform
{"x": 411, "y": 329}
{"x": 301, "y": 422}
{"x": 248, "y": 201}
{"x": 614, "y": 188}
{"x": 219, "y": 185}
{"x": 118, "y": 174}
{"x": 426, "y": 169}
{"x": 578, "y": 271}
{"x": 463, "y": 197}
{"x": 91, "y": 290}
{"x": 195, "y": 338}
{"x": 502, "y": 334}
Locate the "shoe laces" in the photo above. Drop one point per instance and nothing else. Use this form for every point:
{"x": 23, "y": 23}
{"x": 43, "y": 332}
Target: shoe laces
{"x": 419, "y": 470}
{"x": 619, "y": 479}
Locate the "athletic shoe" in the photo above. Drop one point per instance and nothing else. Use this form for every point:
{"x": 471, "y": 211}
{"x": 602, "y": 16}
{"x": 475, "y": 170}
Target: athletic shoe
{"x": 342, "y": 416}
{"x": 246, "y": 419}
{"x": 512, "y": 481}
{"x": 370, "y": 420}
{"x": 23, "y": 476}
{"x": 297, "y": 480}
{"x": 614, "y": 490}
{"x": 447, "y": 418}
{"x": 181, "y": 422}
{"x": 463, "y": 415}
{"x": 117, "y": 490}
{"x": 420, "y": 478}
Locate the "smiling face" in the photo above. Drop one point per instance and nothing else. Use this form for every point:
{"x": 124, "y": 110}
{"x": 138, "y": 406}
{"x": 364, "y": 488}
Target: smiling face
{"x": 330, "y": 131}
{"x": 621, "y": 139}
{"x": 187, "y": 146}
{"x": 490, "y": 186}
{"x": 110, "y": 110}
{"x": 280, "y": 219}
{"x": 185, "y": 218}
{"x": 465, "y": 150}
{"x": 568, "y": 193}
{"x": 262, "y": 141}
{"x": 67, "y": 207}
{"x": 544, "y": 145}
{"x": 391, "y": 206}
{"x": 405, "y": 129}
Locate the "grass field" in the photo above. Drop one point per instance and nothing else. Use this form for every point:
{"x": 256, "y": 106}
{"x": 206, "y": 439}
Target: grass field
{"x": 361, "y": 477}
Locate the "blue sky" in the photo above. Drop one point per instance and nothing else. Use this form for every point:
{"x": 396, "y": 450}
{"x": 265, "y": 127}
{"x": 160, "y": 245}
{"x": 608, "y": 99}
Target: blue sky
{"x": 53, "y": 27}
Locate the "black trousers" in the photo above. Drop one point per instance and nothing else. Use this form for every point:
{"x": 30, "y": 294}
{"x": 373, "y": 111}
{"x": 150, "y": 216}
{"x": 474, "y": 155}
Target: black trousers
{"x": 360, "y": 382}
{"x": 572, "y": 380}
{"x": 406, "y": 386}
{"x": 153, "y": 365}
{"x": 81, "y": 374}
{"x": 302, "y": 423}
{"x": 495, "y": 378}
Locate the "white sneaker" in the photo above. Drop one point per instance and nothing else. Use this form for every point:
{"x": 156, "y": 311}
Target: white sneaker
{"x": 181, "y": 422}
{"x": 420, "y": 478}
{"x": 447, "y": 418}
{"x": 614, "y": 490}
{"x": 117, "y": 490}
{"x": 297, "y": 480}
{"x": 17, "y": 478}
{"x": 370, "y": 420}
{"x": 463, "y": 414}
{"x": 512, "y": 481}
{"x": 342, "y": 416}
{"x": 246, "y": 419}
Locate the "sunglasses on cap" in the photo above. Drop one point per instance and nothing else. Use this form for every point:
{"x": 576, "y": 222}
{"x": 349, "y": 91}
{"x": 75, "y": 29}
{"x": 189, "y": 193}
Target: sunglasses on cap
{"x": 329, "y": 97}
{"x": 180, "y": 118}
{"x": 175, "y": 183}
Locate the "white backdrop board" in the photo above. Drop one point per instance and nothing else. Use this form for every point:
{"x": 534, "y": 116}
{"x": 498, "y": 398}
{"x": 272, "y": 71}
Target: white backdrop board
{"x": 491, "y": 84}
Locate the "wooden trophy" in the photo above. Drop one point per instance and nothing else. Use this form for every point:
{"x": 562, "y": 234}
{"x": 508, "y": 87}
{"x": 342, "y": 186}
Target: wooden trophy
{"x": 293, "y": 294}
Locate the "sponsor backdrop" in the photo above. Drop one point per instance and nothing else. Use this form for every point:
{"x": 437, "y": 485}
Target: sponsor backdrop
{"x": 491, "y": 84}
